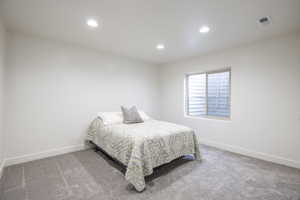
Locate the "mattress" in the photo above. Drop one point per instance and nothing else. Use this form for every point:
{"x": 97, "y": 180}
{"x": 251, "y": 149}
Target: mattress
{"x": 143, "y": 146}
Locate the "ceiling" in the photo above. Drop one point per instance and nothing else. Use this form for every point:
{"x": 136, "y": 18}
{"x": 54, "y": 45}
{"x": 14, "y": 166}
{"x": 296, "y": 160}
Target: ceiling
{"x": 133, "y": 28}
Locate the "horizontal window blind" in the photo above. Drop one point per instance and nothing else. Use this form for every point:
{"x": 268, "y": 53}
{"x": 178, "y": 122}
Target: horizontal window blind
{"x": 218, "y": 91}
{"x": 197, "y": 95}
{"x": 208, "y": 94}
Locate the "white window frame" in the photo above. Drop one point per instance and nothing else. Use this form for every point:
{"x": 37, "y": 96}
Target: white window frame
{"x": 186, "y": 96}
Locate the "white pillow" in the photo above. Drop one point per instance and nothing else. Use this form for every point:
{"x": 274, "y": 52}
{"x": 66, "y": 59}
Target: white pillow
{"x": 109, "y": 118}
{"x": 143, "y": 115}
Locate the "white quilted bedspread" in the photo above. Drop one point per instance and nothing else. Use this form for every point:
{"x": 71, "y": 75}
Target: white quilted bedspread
{"x": 144, "y": 146}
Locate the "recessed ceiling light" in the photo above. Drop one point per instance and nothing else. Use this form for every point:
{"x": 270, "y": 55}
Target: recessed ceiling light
{"x": 92, "y": 23}
{"x": 160, "y": 46}
{"x": 204, "y": 29}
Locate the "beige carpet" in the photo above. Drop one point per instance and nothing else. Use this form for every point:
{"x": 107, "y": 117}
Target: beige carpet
{"x": 88, "y": 175}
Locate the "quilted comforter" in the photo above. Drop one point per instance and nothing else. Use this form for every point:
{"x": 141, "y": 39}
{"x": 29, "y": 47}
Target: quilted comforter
{"x": 143, "y": 146}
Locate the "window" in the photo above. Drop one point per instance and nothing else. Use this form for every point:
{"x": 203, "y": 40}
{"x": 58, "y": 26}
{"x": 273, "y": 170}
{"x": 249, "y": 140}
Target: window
{"x": 208, "y": 94}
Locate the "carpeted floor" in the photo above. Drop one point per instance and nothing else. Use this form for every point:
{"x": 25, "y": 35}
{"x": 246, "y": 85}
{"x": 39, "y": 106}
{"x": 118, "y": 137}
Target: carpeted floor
{"x": 88, "y": 175}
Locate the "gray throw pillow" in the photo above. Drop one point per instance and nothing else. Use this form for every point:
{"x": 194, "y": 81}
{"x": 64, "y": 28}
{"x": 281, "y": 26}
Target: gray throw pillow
{"x": 131, "y": 115}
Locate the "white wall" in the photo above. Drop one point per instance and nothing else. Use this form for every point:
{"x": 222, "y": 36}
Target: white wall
{"x": 2, "y": 54}
{"x": 265, "y": 99}
{"x": 54, "y": 90}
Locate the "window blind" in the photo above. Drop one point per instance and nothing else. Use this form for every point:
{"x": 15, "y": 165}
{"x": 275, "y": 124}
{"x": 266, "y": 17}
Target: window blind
{"x": 208, "y": 94}
{"x": 197, "y": 95}
{"x": 218, "y": 92}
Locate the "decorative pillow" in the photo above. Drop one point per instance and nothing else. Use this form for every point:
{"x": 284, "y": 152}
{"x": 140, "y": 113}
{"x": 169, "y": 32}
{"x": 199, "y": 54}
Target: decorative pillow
{"x": 131, "y": 115}
{"x": 109, "y": 118}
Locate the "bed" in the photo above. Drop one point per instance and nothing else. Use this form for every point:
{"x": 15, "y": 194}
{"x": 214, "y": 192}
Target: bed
{"x": 142, "y": 146}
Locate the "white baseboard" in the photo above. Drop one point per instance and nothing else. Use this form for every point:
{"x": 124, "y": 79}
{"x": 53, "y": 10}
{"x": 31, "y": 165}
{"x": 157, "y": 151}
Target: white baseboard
{"x": 254, "y": 154}
{"x": 231, "y": 148}
{"x": 44, "y": 154}
{"x": 1, "y": 168}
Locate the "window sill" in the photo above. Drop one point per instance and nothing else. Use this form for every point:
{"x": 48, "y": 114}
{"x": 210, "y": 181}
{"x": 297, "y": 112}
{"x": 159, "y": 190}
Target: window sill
{"x": 206, "y": 117}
